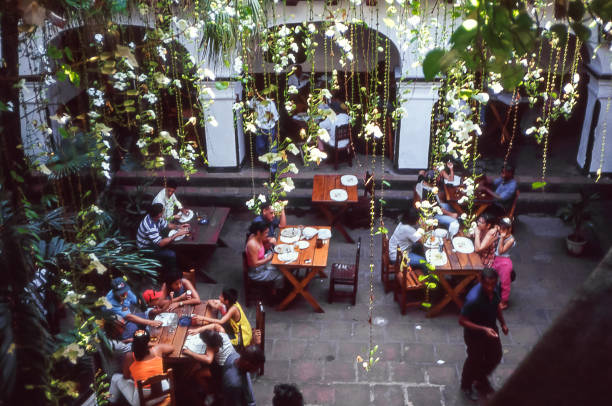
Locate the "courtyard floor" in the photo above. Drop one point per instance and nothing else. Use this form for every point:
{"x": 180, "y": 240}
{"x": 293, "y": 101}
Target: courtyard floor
{"x": 420, "y": 358}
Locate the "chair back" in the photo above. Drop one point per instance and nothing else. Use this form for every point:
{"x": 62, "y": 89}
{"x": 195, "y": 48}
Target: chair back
{"x": 245, "y": 278}
{"x": 343, "y": 132}
{"x": 190, "y": 276}
{"x": 260, "y": 324}
{"x": 368, "y": 184}
{"x": 513, "y": 207}
{"x": 357, "y": 258}
{"x": 157, "y": 395}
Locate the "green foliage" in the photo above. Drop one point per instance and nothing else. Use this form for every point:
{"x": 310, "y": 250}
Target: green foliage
{"x": 579, "y": 214}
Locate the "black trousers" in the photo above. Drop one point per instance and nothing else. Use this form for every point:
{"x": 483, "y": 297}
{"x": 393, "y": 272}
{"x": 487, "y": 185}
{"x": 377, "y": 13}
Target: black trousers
{"x": 483, "y": 354}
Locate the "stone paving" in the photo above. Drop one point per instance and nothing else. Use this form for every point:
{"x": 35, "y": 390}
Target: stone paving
{"x": 420, "y": 359}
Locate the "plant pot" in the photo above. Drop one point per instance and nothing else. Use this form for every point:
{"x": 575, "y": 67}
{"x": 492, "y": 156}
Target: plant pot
{"x": 574, "y": 245}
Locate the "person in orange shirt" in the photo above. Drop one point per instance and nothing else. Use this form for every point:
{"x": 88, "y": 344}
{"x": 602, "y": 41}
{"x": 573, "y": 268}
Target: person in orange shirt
{"x": 140, "y": 364}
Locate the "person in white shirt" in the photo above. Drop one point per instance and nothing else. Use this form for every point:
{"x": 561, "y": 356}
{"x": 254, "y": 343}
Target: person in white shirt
{"x": 336, "y": 119}
{"x": 167, "y": 198}
{"x": 266, "y": 118}
{"x": 406, "y": 237}
{"x": 298, "y": 79}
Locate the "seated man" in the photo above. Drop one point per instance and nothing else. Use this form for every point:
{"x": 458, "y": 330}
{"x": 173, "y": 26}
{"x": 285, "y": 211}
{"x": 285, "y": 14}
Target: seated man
{"x": 149, "y": 236}
{"x": 298, "y": 79}
{"x": 448, "y": 218}
{"x": 505, "y": 189}
{"x": 123, "y": 301}
{"x": 236, "y": 379}
{"x": 405, "y": 236}
{"x": 167, "y": 198}
{"x": 272, "y": 221}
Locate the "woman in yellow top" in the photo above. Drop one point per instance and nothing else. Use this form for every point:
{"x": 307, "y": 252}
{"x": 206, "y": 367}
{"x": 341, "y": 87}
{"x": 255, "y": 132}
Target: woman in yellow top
{"x": 234, "y": 315}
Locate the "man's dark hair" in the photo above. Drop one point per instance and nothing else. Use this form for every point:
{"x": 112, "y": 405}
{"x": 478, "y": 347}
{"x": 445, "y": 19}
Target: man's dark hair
{"x": 257, "y": 226}
{"x": 171, "y": 183}
{"x": 265, "y": 206}
{"x": 211, "y": 338}
{"x": 489, "y": 273}
{"x": 254, "y": 355}
{"x": 410, "y": 216}
{"x": 287, "y": 395}
{"x": 508, "y": 168}
{"x": 155, "y": 209}
{"x": 230, "y": 294}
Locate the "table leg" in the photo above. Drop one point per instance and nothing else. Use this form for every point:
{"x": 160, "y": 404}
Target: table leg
{"x": 299, "y": 287}
{"x": 451, "y": 294}
{"x": 334, "y": 223}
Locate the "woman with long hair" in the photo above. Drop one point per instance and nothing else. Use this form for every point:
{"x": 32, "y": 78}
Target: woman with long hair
{"x": 485, "y": 237}
{"x": 502, "y": 263}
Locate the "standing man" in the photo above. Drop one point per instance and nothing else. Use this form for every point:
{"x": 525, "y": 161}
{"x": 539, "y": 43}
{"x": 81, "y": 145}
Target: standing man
{"x": 123, "y": 302}
{"x": 167, "y": 198}
{"x": 236, "y": 379}
{"x": 484, "y": 351}
{"x": 149, "y": 236}
{"x": 273, "y": 222}
{"x": 266, "y": 117}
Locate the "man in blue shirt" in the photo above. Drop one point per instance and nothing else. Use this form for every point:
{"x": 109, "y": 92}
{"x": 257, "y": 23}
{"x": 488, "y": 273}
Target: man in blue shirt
{"x": 478, "y": 318}
{"x": 123, "y": 302}
{"x": 268, "y": 217}
{"x": 505, "y": 189}
{"x": 236, "y": 380}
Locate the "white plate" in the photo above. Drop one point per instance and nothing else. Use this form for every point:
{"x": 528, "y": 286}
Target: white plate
{"x": 195, "y": 344}
{"x": 283, "y": 248}
{"x": 303, "y": 244}
{"x": 463, "y": 245}
{"x": 309, "y": 232}
{"x": 432, "y": 244}
{"x": 440, "y": 232}
{"x": 290, "y": 232}
{"x": 324, "y": 234}
{"x": 348, "y": 180}
{"x": 435, "y": 257}
{"x": 288, "y": 257}
{"x": 167, "y": 319}
{"x": 172, "y": 232}
{"x": 289, "y": 240}
{"x": 186, "y": 217}
{"x": 338, "y": 195}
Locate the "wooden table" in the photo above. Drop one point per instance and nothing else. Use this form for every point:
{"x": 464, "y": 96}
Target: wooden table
{"x": 321, "y": 186}
{"x": 202, "y": 236}
{"x": 482, "y": 200}
{"x": 464, "y": 267}
{"x": 176, "y": 336}
{"x": 313, "y": 259}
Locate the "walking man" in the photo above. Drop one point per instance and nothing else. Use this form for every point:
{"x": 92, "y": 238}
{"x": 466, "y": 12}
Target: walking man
{"x": 478, "y": 318}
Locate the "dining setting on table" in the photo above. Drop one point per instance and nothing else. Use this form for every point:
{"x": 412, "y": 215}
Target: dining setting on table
{"x": 333, "y": 194}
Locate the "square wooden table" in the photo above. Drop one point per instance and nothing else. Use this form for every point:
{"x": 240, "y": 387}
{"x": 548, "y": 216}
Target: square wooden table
{"x": 175, "y": 336}
{"x": 481, "y": 203}
{"x": 321, "y": 186}
{"x": 465, "y": 267}
{"x": 312, "y": 258}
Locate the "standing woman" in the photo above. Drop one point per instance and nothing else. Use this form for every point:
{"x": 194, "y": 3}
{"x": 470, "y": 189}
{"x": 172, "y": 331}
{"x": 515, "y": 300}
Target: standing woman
{"x": 503, "y": 263}
{"x": 141, "y": 364}
{"x": 485, "y": 238}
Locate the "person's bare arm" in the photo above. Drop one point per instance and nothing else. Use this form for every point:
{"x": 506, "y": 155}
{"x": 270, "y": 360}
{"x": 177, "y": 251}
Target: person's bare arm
{"x": 502, "y": 322}
{"x": 206, "y": 358}
{"x": 486, "y": 241}
{"x": 169, "y": 239}
{"x": 182, "y": 299}
{"x": 162, "y": 349}
{"x": 467, "y": 323}
{"x": 233, "y": 311}
{"x": 139, "y": 320}
{"x": 125, "y": 366}
{"x": 283, "y": 219}
{"x": 504, "y": 245}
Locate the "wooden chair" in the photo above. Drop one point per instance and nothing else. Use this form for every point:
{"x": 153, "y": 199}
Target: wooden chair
{"x": 387, "y": 269}
{"x": 407, "y": 280}
{"x": 345, "y": 274}
{"x": 510, "y": 213}
{"x": 252, "y": 290}
{"x": 157, "y": 395}
{"x": 358, "y": 214}
{"x": 260, "y": 325}
{"x": 343, "y": 132}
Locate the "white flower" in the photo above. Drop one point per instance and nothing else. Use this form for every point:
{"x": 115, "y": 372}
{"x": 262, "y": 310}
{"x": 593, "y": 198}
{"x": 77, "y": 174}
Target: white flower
{"x": 373, "y": 129}
{"x": 141, "y": 143}
{"x": 496, "y": 87}
{"x": 287, "y": 184}
{"x": 212, "y": 120}
{"x": 192, "y": 121}
{"x": 462, "y": 200}
{"x": 294, "y": 47}
{"x": 292, "y": 168}
{"x": 316, "y": 154}
{"x": 103, "y": 301}
{"x": 294, "y": 150}
{"x": 250, "y": 204}
{"x": 270, "y": 158}
{"x": 261, "y": 198}
{"x": 426, "y": 204}
{"x": 481, "y": 97}
{"x": 147, "y": 129}
{"x": 99, "y": 38}
{"x": 435, "y": 190}
{"x": 161, "y": 79}
{"x": 568, "y": 88}
{"x": 576, "y": 77}
{"x": 167, "y": 137}
{"x": 150, "y": 97}
{"x": 323, "y": 135}
{"x": 63, "y": 119}
{"x": 292, "y": 90}
{"x": 238, "y": 65}
{"x": 311, "y": 28}
{"x": 142, "y": 77}
{"x": 73, "y": 351}
{"x": 161, "y": 51}
{"x": 463, "y": 216}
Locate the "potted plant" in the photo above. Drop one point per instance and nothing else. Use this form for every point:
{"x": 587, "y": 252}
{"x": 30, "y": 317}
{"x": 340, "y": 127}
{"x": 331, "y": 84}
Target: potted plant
{"x": 579, "y": 215}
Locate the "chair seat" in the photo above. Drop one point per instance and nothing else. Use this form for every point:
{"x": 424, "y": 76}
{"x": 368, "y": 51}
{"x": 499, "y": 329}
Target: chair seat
{"x": 412, "y": 279}
{"x": 343, "y": 273}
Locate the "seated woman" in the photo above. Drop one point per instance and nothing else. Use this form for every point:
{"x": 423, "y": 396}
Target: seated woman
{"x": 142, "y": 363}
{"x": 234, "y": 315}
{"x": 502, "y": 263}
{"x": 447, "y": 174}
{"x": 405, "y": 236}
{"x": 258, "y": 260}
{"x": 448, "y": 218}
{"x": 177, "y": 291}
{"x": 485, "y": 237}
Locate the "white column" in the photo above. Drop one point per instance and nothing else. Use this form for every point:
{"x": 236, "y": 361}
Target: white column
{"x": 417, "y": 99}
{"x": 592, "y": 144}
{"x": 225, "y": 147}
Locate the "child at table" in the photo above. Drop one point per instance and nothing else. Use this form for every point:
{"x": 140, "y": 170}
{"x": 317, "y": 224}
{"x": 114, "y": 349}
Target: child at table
{"x": 177, "y": 291}
{"x": 502, "y": 263}
{"x": 234, "y": 315}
